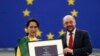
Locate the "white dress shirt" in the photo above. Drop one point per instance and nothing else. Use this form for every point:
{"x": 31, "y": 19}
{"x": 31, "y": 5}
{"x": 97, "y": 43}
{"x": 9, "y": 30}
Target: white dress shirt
{"x": 68, "y": 36}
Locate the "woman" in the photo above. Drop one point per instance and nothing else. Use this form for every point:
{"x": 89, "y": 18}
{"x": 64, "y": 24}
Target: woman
{"x": 31, "y": 28}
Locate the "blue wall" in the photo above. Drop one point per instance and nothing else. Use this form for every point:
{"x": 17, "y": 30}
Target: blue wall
{"x": 49, "y": 13}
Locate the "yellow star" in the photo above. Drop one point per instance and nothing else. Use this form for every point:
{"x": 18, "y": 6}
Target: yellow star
{"x": 71, "y": 2}
{"x": 29, "y": 2}
{"x": 74, "y": 13}
{"x": 61, "y": 32}
{"x": 26, "y": 12}
{"x": 39, "y": 33}
{"x": 50, "y": 36}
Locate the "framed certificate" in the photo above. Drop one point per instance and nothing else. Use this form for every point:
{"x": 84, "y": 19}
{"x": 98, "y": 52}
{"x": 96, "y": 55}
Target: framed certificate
{"x": 46, "y": 48}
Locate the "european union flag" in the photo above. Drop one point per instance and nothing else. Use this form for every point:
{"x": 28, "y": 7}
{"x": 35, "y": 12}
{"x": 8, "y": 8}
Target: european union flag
{"x": 15, "y": 13}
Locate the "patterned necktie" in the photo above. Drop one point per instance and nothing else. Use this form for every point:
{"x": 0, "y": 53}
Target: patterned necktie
{"x": 71, "y": 40}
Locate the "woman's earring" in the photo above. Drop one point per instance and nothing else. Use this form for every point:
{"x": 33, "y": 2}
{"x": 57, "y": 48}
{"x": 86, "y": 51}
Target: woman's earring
{"x": 26, "y": 30}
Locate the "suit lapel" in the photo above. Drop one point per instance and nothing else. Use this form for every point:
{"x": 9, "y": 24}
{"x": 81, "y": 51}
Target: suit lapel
{"x": 65, "y": 40}
{"x": 76, "y": 38}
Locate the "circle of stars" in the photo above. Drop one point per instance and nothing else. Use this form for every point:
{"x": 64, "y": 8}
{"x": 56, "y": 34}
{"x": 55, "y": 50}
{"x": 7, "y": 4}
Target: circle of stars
{"x": 74, "y": 13}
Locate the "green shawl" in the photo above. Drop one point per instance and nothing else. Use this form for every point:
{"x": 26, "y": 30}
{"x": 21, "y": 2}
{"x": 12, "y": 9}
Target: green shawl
{"x": 23, "y": 46}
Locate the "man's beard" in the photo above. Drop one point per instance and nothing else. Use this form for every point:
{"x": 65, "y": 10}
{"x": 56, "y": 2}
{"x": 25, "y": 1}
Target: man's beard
{"x": 70, "y": 28}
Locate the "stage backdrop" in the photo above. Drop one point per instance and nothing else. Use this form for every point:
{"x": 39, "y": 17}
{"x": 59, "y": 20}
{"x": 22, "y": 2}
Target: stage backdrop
{"x": 15, "y": 13}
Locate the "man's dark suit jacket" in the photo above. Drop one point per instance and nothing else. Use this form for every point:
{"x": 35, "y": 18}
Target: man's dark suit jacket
{"x": 81, "y": 46}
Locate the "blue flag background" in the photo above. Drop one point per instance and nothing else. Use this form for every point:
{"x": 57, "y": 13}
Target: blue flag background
{"x": 49, "y": 13}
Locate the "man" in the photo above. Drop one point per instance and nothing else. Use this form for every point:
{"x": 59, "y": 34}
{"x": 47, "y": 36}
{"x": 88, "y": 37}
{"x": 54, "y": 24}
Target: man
{"x": 75, "y": 42}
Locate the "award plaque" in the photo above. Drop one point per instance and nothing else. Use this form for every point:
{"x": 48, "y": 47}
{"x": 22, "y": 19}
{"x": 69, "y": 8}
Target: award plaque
{"x": 46, "y": 48}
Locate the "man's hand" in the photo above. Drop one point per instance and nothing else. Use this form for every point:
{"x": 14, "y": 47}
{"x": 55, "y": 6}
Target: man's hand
{"x": 67, "y": 50}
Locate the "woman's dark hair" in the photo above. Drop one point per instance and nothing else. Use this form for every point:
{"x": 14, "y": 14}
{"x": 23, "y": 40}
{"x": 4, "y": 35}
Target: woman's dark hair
{"x": 32, "y": 20}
